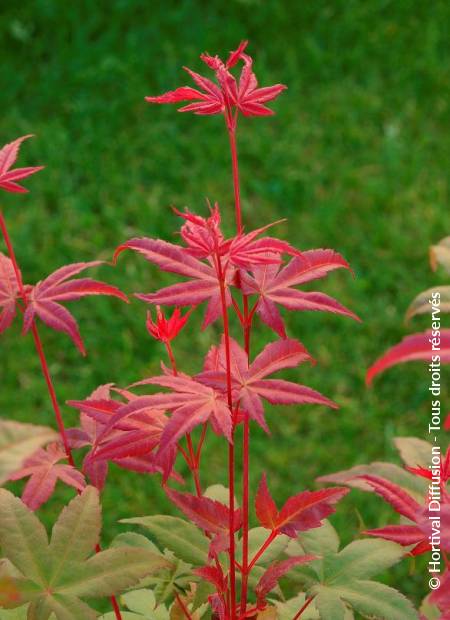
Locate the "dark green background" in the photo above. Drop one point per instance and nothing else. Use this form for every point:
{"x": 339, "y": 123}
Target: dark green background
{"x": 355, "y": 159}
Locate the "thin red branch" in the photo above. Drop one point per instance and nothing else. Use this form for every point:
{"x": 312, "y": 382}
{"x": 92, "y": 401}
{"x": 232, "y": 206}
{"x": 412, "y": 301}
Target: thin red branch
{"x": 262, "y": 549}
{"x": 305, "y": 606}
{"x": 231, "y": 455}
{"x": 184, "y": 609}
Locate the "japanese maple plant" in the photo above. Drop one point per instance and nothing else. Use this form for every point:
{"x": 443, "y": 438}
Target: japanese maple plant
{"x": 211, "y": 562}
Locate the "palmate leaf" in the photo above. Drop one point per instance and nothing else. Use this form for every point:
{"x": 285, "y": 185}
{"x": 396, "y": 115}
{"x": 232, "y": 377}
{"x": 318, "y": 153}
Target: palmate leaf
{"x": 250, "y": 385}
{"x": 341, "y": 580}
{"x": 57, "y": 575}
{"x": 8, "y": 177}
{"x": 369, "y": 598}
{"x": 203, "y": 284}
{"x": 274, "y": 287}
{"x": 18, "y": 442}
{"x": 44, "y": 469}
{"x": 46, "y": 297}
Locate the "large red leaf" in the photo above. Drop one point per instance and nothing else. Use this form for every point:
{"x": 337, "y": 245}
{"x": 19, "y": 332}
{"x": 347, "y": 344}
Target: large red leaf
{"x": 414, "y": 347}
{"x": 8, "y": 292}
{"x": 44, "y": 470}
{"x": 249, "y": 383}
{"x": 203, "y": 286}
{"x": 8, "y": 177}
{"x": 191, "y": 403}
{"x": 46, "y": 297}
{"x": 274, "y": 286}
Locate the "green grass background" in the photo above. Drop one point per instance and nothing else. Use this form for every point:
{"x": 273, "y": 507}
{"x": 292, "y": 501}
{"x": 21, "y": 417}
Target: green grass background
{"x": 355, "y": 158}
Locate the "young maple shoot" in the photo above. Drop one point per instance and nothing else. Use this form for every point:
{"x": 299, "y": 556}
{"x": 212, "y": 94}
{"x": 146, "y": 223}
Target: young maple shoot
{"x": 211, "y": 562}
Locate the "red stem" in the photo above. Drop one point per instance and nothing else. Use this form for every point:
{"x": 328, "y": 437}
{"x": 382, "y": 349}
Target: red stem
{"x": 245, "y": 474}
{"x": 262, "y": 549}
{"x": 305, "y": 606}
{"x": 183, "y": 606}
{"x": 235, "y": 168}
{"x": 51, "y": 391}
{"x": 231, "y": 455}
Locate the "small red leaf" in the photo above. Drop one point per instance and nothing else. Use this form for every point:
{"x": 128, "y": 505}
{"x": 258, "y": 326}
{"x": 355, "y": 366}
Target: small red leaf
{"x": 270, "y": 578}
{"x": 44, "y": 470}
{"x": 275, "y": 287}
{"x": 45, "y": 297}
{"x": 8, "y": 177}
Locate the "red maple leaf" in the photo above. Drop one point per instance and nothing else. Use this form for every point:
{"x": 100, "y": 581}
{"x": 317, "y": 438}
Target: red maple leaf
{"x": 274, "y": 286}
{"x": 44, "y": 470}
{"x": 8, "y": 292}
{"x": 45, "y": 298}
{"x": 227, "y": 95}
{"x": 299, "y": 513}
{"x": 8, "y": 177}
{"x": 249, "y": 383}
{"x": 209, "y": 515}
{"x": 203, "y": 284}
{"x": 128, "y": 440}
{"x": 191, "y": 404}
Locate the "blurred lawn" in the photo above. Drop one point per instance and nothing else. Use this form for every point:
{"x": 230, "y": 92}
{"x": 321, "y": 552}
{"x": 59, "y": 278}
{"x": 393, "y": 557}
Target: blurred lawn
{"x": 356, "y": 159}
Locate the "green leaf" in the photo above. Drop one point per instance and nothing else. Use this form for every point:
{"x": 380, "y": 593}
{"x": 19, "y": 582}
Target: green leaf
{"x": 171, "y": 580}
{"x": 76, "y": 532}
{"x": 330, "y": 605}
{"x": 64, "y": 608}
{"x": 57, "y": 575}
{"x": 18, "y": 442}
{"x": 318, "y": 541}
{"x": 108, "y": 572}
{"x": 143, "y": 602}
{"x": 220, "y": 493}
{"x": 361, "y": 559}
{"x": 23, "y": 538}
{"x": 131, "y": 539}
{"x": 376, "y": 600}
{"x": 186, "y": 541}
